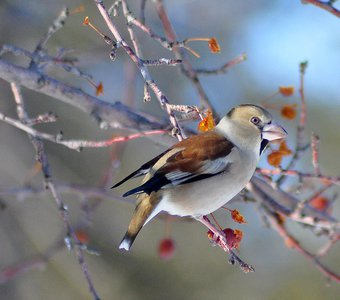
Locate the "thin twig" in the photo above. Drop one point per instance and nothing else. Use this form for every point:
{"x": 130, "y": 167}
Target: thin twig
{"x": 114, "y": 115}
{"x": 220, "y": 239}
{"x": 34, "y": 262}
{"x": 142, "y": 11}
{"x": 326, "y": 248}
{"x": 43, "y": 60}
{"x": 82, "y": 191}
{"x": 300, "y": 147}
{"x": 280, "y": 228}
{"x": 315, "y": 153}
{"x": 133, "y": 37}
{"x": 143, "y": 69}
{"x": 186, "y": 67}
{"x": 326, "y": 5}
{"x": 329, "y": 179}
{"x": 76, "y": 144}
{"x": 42, "y": 158}
{"x": 57, "y": 24}
{"x": 224, "y": 68}
{"x": 42, "y": 119}
{"x": 161, "y": 62}
{"x": 167, "y": 44}
{"x": 285, "y": 204}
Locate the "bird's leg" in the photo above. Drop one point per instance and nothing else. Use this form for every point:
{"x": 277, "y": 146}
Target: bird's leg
{"x": 220, "y": 239}
{"x": 218, "y": 235}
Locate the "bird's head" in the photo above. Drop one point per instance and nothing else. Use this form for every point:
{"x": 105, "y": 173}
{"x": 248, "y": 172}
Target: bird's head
{"x": 249, "y": 124}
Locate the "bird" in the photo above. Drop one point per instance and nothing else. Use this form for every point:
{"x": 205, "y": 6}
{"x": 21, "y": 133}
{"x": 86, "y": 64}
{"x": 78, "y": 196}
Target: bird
{"x": 201, "y": 173}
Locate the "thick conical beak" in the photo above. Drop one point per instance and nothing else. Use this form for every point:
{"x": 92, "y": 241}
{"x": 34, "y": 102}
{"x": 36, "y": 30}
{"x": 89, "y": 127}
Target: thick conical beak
{"x": 273, "y": 132}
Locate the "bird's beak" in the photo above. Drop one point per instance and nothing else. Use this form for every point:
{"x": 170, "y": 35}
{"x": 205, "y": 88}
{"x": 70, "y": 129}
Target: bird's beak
{"x": 273, "y": 132}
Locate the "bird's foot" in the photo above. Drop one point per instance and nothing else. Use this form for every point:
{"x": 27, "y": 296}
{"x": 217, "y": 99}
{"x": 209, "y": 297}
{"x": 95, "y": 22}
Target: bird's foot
{"x": 219, "y": 238}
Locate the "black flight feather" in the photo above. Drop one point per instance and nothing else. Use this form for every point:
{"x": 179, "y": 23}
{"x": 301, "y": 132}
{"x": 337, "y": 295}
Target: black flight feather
{"x": 152, "y": 185}
{"x": 142, "y": 170}
{"x": 158, "y": 181}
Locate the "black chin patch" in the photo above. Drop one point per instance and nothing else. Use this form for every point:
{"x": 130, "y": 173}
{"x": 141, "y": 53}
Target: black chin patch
{"x": 264, "y": 144}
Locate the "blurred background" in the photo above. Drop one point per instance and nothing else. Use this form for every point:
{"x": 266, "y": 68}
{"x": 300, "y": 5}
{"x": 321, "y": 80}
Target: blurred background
{"x": 276, "y": 36}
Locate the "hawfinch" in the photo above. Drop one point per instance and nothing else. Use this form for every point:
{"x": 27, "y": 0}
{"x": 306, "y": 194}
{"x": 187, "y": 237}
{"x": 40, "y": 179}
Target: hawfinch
{"x": 200, "y": 174}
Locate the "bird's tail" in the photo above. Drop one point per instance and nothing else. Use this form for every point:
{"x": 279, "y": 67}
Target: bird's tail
{"x": 144, "y": 212}
{"x": 127, "y": 240}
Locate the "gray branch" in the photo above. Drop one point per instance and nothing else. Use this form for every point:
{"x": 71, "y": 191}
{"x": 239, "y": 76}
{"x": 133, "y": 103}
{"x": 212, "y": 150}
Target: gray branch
{"x": 115, "y": 115}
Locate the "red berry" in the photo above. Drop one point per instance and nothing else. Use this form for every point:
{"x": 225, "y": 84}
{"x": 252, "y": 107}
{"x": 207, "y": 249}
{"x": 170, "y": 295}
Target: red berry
{"x": 82, "y": 236}
{"x": 233, "y": 237}
{"x": 320, "y": 203}
{"x": 166, "y": 249}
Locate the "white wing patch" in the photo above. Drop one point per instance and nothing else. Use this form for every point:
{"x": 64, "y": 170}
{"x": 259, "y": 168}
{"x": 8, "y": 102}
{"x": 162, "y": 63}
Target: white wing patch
{"x": 209, "y": 168}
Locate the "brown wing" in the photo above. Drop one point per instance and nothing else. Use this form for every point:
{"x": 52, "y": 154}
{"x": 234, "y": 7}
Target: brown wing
{"x": 196, "y": 152}
{"x": 195, "y": 158}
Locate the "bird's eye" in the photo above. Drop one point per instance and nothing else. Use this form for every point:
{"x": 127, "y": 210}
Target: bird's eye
{"x": 255, "y": 120}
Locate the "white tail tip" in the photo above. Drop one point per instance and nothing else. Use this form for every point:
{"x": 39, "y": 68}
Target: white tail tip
{"x": 125, "y": 245}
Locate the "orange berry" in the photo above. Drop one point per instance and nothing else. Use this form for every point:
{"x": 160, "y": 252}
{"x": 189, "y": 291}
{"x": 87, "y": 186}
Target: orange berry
{"x": 207, "y": 123}
{"x": 274, "y": 158}
{"x": 286, "y": 91}
{"x": 285, "y": 151}
{"x": 289, "y": 111}
{"x": 214, "y": 46}
{"x": 237, "y": 217}
{"x": 99, "y": 89}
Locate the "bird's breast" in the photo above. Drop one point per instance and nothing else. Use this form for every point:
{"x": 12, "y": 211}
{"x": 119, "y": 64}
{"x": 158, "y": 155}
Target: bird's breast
{"x": 205, "y": 196}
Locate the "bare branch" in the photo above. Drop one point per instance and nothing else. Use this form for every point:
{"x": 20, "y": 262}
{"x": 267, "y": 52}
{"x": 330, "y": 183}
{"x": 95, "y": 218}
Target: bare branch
{"x": 76, "y": 144}
{"x": 186, "y": 67}
{"x": 64, "y": 188}
{"x": 295, "y": 173}
{"x": 115, "y": 115}
{"x": 224, "y": 68}
{"x": 326, "y": 5}
{"x": 286, "y": 204}
{"x": 144, "y": 71}
{"x": 42, "y": 158}
{"x": 219, "y": 238}
{"x": 300, "y": 146}
{"x": 43, "y": 60}
{"x": 315, "y": 154}
{"x": 35, "y": 262}
{"x": 293, "y": 243}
